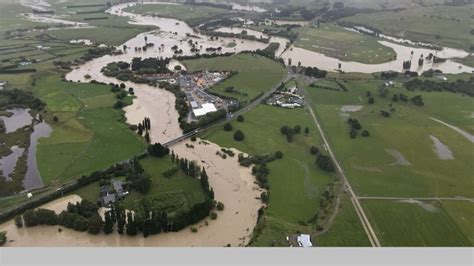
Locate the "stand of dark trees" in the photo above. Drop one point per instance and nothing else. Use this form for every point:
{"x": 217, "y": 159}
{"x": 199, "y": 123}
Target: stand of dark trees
{"x": 269, "y": 51}
{"x": 235, "y": 35}
{"x": 215, "y": 5}
{"x": 459, "y": 86}
{"x": 325, "y": 163}
{"x": 315, "y": 72}
{"x": 150, "y": 218}
{"x": 99, "y": 52}
{"x": 23, "y": 98}
{"x": 260, "y": 169}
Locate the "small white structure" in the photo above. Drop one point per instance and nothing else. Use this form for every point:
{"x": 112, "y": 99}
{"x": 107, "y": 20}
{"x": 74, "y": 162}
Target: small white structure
{"x": 3, "y": 84}
{"x": 30, "y": 195}
{"x": 304, "y": 241}
{"x": 205, "y": 109}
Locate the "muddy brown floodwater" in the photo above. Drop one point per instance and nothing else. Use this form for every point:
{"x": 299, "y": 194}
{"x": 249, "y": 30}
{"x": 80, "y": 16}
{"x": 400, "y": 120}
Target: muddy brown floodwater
{"x": 233, "y": 185}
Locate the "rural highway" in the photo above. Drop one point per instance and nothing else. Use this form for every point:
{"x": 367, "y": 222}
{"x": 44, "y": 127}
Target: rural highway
{"x": 419, "y": 198}
{"x": 354, "y": 199}
{"x": 242, "y": 111}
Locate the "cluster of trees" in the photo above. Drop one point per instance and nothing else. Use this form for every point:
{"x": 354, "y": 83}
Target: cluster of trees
{"x": 326, "y": 205}
{"x": 269, "y": 51}
{"x": 144, "y": 126}
{"x": 215, "y": 5}
{"x": 407, "y": 64}
{"x": 239, "y": 135}
{"x": 113, "y": 171}
{"x": 158, "y": 150}
{"x": 417, "y": 100}
{"x": 285, "y": 31}
{"x": 99, "y": 52}
{"x": 241, "y": 35}
{"x": 290, "y": 132}
{"x": 459, "y": 86}
{"x": 325, "y": 163}
{"x": 355, "y": 126}
{"x": 3, "y": 238}
{"x": 389, "y": 74}
{"x": 151, "y": 65}
{"x": 260, "y": 169}
{"x": 192, "y": 169}
{"x": 136, "y": 177}
{"x": 315, "y": 72}
{"x": 82, "y": 216}
{"x": 25, "y": 98}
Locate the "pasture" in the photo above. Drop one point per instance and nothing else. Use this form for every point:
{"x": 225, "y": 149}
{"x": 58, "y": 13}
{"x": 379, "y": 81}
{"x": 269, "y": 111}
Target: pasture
{"x": 89, "y": 134}
{"x": 419, "y": 224}
{"x": 442, "y": 25}
{"x": 398, "y": 158}
{"x": 335, "y": 41}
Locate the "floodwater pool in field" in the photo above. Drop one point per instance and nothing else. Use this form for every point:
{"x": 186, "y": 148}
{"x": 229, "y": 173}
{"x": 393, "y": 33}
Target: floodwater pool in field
{"x": 8, "y": 163}
{"x": 19, "y": 118}
{"x": 32, "y": 177}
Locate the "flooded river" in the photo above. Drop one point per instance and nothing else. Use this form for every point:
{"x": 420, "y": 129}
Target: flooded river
{"x": 233, "y": 184}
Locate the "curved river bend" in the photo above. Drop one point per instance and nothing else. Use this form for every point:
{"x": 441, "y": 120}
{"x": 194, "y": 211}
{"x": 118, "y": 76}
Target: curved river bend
{"x": 233, "y": 184}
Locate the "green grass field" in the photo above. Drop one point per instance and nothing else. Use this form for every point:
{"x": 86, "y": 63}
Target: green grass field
{"x": 371, "y": 169}
{"x": 401, "y": 224}
{"x": 462, "y": 213}
{"x": 186, "y": 188}
{"x": 346, "y": 45}
{"x": 193, "y": 15}
{"x": 256, "y": 74}
{"x": 442, "y": 25}
{"x": 295, "y": 181}
{"x": 346, "y": 231}
{"x": 89, "y": 134}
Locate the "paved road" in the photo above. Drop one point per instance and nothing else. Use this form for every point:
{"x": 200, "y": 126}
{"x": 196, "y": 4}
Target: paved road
{"x": 242, "y": 111}
{"x": 354, "y": 199}
{"x": 419, "y": 198}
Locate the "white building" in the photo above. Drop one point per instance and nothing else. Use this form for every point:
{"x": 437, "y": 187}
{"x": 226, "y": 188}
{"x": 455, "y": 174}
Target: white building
{"x": 3, "y": 84}
{"x": 304, "y": 241}
{"x": 205, "y": 109}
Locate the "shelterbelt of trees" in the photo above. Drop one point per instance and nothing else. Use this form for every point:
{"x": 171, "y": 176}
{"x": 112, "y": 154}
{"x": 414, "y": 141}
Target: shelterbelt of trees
{"x": 150, "y": 218}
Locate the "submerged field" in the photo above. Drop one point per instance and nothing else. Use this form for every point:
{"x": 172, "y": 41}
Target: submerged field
{"x": 442, "y": 25}
{"x": 296, "y": 183}
{"x": 345, "y": 45}
{"x": 255, "y": 74}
